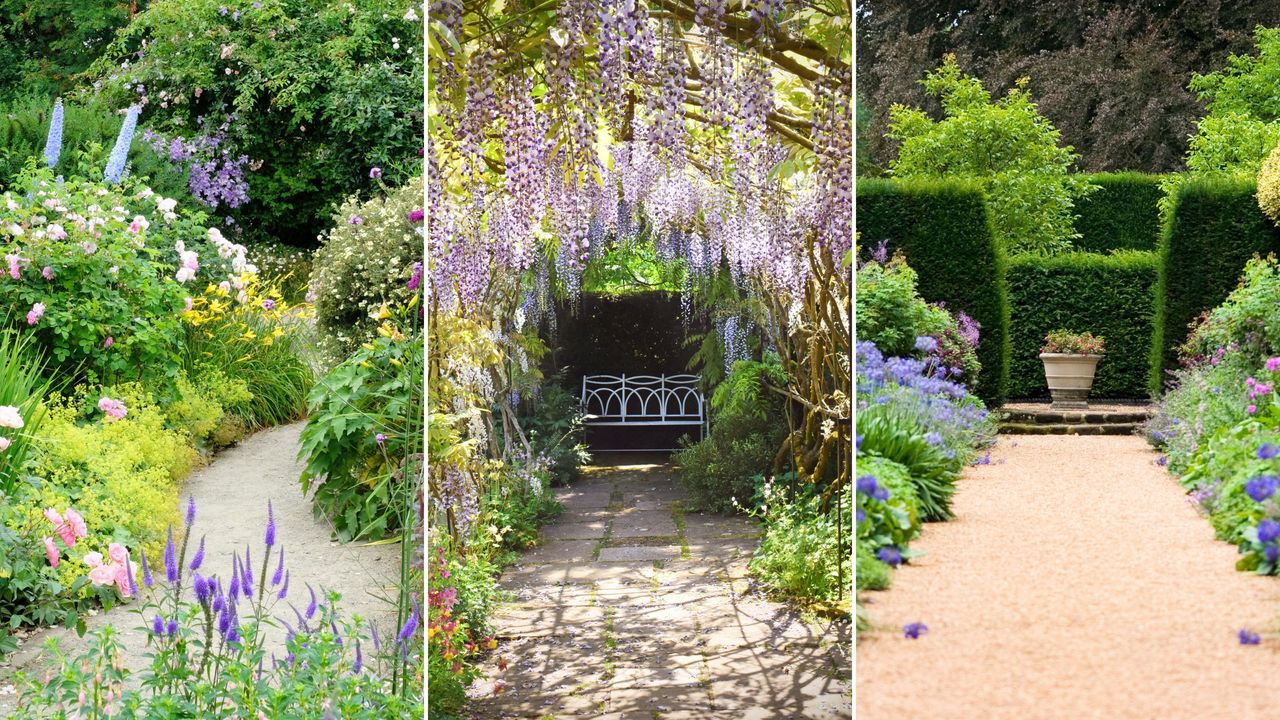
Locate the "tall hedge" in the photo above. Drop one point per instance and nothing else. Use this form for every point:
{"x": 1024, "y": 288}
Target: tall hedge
{"x": 945, "y": 231}
{"x": 1108, "y": 295}
{"x": 1122, "y": 214}
{"x": 1213, "y": 228}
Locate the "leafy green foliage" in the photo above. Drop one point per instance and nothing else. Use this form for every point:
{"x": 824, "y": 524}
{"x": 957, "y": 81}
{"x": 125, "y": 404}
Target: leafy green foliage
{"x": 44, "y": 44}
{"x": 320, "y": 92}
{"x": 871, "y": 573}
{"x": 361, "y": 416}
{"x": 943, "y": 229}
{"x": 1006, "y": 145}
{"x": 894, "y": 521}
{"x": 1108, "y": 295}
{"x": 805, "y": 552}
{"x": 1122, "y": 214}
{"x": 1213, "y": 228}
{"x": 887, "y": 434}
{"x": 23, "y": 386}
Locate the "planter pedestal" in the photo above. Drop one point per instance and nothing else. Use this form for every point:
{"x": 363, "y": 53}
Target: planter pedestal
{"x": 1070, "y": 378}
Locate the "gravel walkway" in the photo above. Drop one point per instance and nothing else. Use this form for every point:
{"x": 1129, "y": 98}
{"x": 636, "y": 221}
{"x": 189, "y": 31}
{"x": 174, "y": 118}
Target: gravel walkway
{"x": 231, "y": 496}
{"x": 1076, "y": 582}
{"x": 633, "y": 608}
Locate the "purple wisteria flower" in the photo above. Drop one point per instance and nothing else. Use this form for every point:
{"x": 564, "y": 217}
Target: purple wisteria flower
{"x": 914, "y": 630}
{"x": 1248, "y": 637}
{"x": 1268, "y": 451}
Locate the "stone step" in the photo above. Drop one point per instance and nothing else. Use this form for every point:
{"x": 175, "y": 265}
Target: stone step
{"x": 1089, "y": 417}
{"x": 1063, "y": 428}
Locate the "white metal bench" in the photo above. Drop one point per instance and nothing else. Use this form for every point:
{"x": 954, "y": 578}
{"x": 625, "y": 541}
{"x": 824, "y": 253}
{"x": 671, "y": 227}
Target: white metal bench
{"x": 643, "y": 400}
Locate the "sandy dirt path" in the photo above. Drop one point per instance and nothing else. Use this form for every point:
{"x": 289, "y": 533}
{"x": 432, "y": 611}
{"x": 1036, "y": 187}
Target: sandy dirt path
{"x": 231, "y": 497}
{"x": 1075, "y": 582}
{"x": 634, "y": 609}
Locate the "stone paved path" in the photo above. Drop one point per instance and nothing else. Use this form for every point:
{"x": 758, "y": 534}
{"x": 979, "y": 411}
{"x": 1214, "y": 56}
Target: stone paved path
{"x": 1075, "y": 582}
{"x": 634, "y": 609}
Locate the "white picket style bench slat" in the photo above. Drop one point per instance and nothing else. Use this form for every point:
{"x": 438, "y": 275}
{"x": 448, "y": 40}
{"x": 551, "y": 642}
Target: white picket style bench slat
{"x": 643, "y": 400}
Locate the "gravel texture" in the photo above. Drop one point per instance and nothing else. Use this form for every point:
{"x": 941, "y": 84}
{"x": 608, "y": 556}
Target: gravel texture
{"x": 231, "y": 498}
{"x": 1075, "y": 582}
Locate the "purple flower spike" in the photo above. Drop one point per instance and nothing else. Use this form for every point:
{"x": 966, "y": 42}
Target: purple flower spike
{"x": 173, "y": 627}
{"x": 246, "y": 577}
{"x": 146, "y": 571}
{"x": 410, "y": 627}
{"x": 133, "y": 582}
{"x": 1249, "y": 638}
{"x": 359, "y": 659}
{"x": 284, "y": 589}
{"x": 191, "y": 509}
{"x": 199, "y": 557}
{"x": 157, "y": 625}
{"x": 170, "y": 559}
{"x": 311, "y": 608}
{"x": 914, "y": 630}
{"x": 271, "y": 528}
{"x": 373, "y": 632}
{"x": 224, "y": 621}
{"x": 201, "y": 588}
{"x": 279, "y": 574}
{"x": 234, "y": 589}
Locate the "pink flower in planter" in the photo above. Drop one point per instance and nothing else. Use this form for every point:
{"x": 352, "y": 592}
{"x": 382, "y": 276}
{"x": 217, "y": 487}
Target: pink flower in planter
{"x": 51, "y": 551}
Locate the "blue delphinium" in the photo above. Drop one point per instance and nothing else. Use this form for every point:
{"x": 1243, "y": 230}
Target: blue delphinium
{"x": 53, "y": 144}
{"x": 120, "y": 153}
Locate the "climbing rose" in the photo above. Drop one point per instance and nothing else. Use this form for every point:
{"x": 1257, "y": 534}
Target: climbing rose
{"x": 51, "y": 551}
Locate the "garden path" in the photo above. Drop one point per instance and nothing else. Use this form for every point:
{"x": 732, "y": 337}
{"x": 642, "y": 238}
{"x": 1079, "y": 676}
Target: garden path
{"x": 231, "y": 497}
{"x": 634, "y": 608}
{"x": 1076, "y": 581}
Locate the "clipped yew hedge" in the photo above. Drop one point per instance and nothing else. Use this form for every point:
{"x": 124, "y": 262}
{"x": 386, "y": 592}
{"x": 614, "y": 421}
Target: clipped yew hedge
{"x": 1121, "y": 214}
{"x": 1108, "y": 295}
{"x": 1213, "y": 228}
{"x": 944, "y": 229}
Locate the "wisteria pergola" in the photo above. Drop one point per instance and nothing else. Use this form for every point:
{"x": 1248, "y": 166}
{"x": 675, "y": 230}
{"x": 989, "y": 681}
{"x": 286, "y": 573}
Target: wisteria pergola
{"x": 721, "y": 132}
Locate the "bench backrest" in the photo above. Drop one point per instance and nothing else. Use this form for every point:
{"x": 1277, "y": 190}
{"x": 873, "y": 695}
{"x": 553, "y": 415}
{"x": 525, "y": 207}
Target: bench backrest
{"x": 643, "y": 398}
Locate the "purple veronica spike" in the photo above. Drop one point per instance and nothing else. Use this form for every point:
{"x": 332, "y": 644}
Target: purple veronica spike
{"x": 224, "y": 621}
{"x": 246, "y": 575}
{"x": 302, "y": 622}
{"x": 279, "y": 573}
{"x": 219, "y": 602}
{"x": 146, "y": 571}
{"x": 410, "y": 627}
{"x": 359, "y": 659}
{"x": 173, "y": 627}
{"x": 333, "y": 626}
{"x": 233, "y": 637}
{"x": 373, "y": 630}
{"x": 199, "y": 558}
{"x": 284, "y": 589}
{"x": 271, "y": 526}
{"x": 133, "y": 582}
{"x": 191, "y": 509}
{"x": 157, "y": 625}
{"x": 170, "y": 559}
{"x": 311, "y": 608}
{"x": 201, "y": 588}
{"x": 235, "y": 578}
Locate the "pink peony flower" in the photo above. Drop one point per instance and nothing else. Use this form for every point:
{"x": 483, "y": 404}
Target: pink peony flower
{"x": 51, "y": 551}
{"x": 37, "y": 312}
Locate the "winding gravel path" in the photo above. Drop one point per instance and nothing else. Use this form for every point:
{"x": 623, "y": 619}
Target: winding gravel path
{"x": 1075, "y": 582}
{"x": 634, "y": 609}
{"x": 231, "y": 496}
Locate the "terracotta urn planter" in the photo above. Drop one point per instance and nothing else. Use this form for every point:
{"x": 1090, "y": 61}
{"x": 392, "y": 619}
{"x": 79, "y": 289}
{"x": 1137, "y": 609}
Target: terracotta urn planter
{"x": 1070, "y": 378}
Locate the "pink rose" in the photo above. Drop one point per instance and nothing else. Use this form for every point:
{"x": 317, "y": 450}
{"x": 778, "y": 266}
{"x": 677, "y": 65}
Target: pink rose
{"x": 52, "y": 516}
{"x": 117, "y": 553}
{"x": 93, "y": 559}
{"x": 103, "y": 575}
{"x": 77, "y": 523}
{"x": 51, "y": 551}
{"x": 67, "y": 534}
{"x": 122, "y": 578}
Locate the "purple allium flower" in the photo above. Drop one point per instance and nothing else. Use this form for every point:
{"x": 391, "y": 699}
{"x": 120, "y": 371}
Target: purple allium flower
{"x": 914, "y": 630}
{"x": 170, "y": 559}
{"x": 199, "y": 556}
{"x": 157, "y": 625}
{"x": 417, "y": 216}
{"x": 1268, "y": 451}
{"x": 270, "y": 538}
{"x": 146, "y": 571}
{"x": 284, "y": 589}
{"x": 889, "y": 555}
{"x": 375, "y": 173}
{"x": 172, "y": 629}
{"x": 268, "y": 304}
{"x": 1261, "y": 487}
{"x": 926, "y": 344}
{"x": 1268, "y": 530}
{"x": 191, "y": 509}
{"x": 1249, "y": 638}
{"x": 279, "y": 573}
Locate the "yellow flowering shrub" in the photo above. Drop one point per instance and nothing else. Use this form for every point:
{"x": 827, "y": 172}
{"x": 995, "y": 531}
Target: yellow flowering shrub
{"x": 1269, "y": 185}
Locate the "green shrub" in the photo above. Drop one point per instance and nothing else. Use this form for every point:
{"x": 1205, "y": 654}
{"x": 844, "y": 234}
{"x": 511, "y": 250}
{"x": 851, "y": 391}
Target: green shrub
{"x": 871, "y": 573}
{"x": 361, "y": 267}
{"x": 943, "y": 229}
{"x": 891, "y": 434}
{"x": 723, "y": 471}
{"x": 1006, "y": 145}
{"x": 894, "y": 520}
{"x": 805, "y": 552}
{"x": 1108, "y": 295}
{"x": 1213, "y": 229}
{"x": 1122, "y": 214}
{"x": 22, "y": 386}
